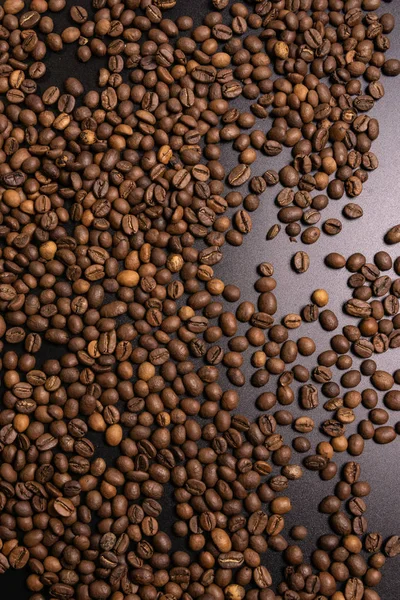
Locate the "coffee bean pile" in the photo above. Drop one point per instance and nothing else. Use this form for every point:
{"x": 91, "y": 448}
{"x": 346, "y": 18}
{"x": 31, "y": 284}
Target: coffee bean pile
{"x": 115, "y": 206}
{"x": 375, "y": 301}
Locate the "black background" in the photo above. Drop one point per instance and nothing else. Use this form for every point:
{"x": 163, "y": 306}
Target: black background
{"x": 380, "y": 201}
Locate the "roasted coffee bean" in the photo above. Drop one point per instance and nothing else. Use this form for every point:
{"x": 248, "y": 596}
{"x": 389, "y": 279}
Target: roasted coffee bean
{"x": 273, "y": 231}
{"x": 309, "y": 396}
{"x": 18, "y": 557}
{"x": 315, "y": 462}
{"x": 239, "y": 175}
{"x": 301, "y": 262}
{"x": 335, "y": 260}
{"x": 392, "y": 546}
{"x": 393, "y": 235}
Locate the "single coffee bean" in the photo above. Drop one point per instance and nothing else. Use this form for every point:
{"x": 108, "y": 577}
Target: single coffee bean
{"x": 393, "y": 235}
{"x": 301, "y": 262}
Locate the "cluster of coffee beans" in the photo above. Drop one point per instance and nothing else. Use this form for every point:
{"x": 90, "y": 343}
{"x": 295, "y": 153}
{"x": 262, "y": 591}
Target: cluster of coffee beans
{"x": 375, "y": 301}
{"x": 115, "y": 206}
{"x": 339, "y": 555}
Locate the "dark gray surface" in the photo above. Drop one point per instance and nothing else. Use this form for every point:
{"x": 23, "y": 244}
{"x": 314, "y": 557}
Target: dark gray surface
{"x": 380, "y": 201}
